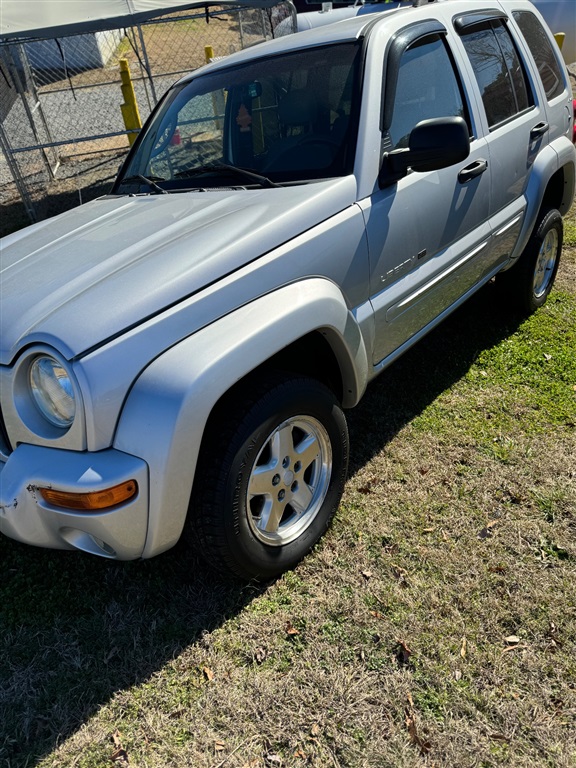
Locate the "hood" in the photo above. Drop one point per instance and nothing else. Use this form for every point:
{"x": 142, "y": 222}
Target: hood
{"x": 90, "y": 273}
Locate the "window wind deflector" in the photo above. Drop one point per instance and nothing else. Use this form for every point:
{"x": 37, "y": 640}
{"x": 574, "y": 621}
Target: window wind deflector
{"x": 231, "y": 170}
{"x": 467, "y": 21}
{"x": 402, "y": 40}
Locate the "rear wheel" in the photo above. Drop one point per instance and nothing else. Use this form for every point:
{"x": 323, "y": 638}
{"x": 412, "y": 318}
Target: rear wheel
{"x": 270, "y": 477}
{"x": 532, "y": 278}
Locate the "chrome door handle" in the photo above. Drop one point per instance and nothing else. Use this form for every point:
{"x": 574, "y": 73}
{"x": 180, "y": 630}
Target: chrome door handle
{"x": 471, "y": 171}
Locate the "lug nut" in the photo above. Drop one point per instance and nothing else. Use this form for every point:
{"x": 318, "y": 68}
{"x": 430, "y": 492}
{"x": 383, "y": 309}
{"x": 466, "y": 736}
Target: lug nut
{"x": 275, "y": 479}
{"x": 281, "y": 495}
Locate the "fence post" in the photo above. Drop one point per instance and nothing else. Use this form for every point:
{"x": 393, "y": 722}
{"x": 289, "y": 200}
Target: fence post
{"x": 130, "y": 113}
{"x": 146, "y": 64}
{"x": 17, "y": 176}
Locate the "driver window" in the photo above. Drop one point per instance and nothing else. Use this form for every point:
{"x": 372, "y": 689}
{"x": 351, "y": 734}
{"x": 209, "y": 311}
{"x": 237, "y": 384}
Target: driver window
{"x": 427, "y": 87}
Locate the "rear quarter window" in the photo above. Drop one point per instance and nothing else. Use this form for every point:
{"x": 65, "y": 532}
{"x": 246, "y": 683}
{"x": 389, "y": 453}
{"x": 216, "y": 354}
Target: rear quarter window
{"x": 543, "y": 53}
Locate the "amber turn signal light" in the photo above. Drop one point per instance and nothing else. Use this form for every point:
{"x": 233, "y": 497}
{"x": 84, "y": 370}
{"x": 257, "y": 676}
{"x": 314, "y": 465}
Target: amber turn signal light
{"x": 94, "y": 501}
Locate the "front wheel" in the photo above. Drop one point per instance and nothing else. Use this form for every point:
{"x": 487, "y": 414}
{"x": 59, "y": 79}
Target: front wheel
{"x": 270, "y": 477}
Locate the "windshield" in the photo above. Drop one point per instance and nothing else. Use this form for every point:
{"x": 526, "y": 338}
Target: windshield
{"x": 286, "y": 118}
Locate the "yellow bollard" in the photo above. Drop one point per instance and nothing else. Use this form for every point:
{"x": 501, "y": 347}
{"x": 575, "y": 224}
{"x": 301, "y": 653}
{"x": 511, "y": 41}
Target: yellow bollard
{"x": 559, "y": 37}
{"x": 130, "y": 113}
{"x": 208, "y": 53}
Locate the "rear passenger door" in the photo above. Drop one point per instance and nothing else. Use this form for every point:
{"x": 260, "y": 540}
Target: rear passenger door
{"x": 516, "y": 125}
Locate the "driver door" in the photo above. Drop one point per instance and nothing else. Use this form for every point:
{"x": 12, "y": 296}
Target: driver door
{"x": 428, "y": 233}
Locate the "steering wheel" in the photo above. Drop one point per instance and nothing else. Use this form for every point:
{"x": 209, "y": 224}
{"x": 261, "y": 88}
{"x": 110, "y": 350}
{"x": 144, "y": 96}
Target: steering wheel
{"x": 282, "y": 158}
{"x": 165, "y": 136}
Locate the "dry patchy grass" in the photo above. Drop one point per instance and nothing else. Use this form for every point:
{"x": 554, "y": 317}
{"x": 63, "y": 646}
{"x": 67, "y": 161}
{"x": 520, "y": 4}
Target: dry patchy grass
{"x": 435, "y": 625}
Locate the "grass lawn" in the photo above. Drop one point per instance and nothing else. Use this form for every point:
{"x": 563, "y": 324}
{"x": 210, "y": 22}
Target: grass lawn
{"x": 435, "y": 624}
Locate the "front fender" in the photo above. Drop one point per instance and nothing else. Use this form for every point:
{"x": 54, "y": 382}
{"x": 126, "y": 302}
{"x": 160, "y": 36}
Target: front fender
{"x": 164, "y": 417}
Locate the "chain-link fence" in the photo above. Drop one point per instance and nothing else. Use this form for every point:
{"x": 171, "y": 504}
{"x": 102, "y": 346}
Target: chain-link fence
{"x": 62, "y": 132}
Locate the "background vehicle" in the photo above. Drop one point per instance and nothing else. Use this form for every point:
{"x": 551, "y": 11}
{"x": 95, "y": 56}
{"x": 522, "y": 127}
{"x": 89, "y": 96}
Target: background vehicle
{"x": 560, "y": 16}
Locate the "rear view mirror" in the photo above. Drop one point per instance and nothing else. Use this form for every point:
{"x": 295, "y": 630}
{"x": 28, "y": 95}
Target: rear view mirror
{"x": 432, "y": 144}
{"x": 255, "y": 90}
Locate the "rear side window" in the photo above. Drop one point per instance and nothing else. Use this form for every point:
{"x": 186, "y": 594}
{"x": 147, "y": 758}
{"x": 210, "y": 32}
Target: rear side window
{"x": 498, "y": 71}
{"x": 543, "y": 53}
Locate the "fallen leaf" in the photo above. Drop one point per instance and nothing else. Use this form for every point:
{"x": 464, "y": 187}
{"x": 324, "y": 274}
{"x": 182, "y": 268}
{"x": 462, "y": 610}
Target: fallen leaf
{"x": 423, "y": 470}
{"x": 486, "y": 532}
{"x": 547, "y": 357}
{"x": 315, "y": 730}
{"x": 377, "y": 614}
{"x": 219, "y": 746}
{"x": 366, "y": 489}
{"x": 120, "y": 757}
{"x": 389, "y": 546}
{"x": 273, "y": 759}
{"x": 367, "y": 574}
{"x": 519, "y": 647}
{"x": 404, "y": 652}
{"x": 463, "y": 648}
{"x": 300, "y": 754}
{"x": 410, "y": 720}
{"x": 457, "y": 675}
{"x": 291, "y": 629}
{"x": 208, "y": 674}
{"x": 260, "y": 655}
{"x": 512, "y": 639}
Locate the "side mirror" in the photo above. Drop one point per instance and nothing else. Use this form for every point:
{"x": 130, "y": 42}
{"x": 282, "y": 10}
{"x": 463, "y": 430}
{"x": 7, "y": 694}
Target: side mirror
{"x": 432, "y": 144}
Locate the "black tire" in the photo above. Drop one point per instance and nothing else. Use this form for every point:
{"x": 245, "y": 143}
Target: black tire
{"x": 530, "y": 281}
{"x": 270, "y": 477}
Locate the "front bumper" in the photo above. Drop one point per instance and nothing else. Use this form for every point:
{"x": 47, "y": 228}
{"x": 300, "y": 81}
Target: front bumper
{"x": 118, "y": 533}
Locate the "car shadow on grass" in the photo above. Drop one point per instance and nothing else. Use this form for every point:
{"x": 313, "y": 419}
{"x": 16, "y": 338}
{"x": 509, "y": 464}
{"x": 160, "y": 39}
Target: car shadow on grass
{"x": 75, "y": 630}
{"x": 433, "y": 365}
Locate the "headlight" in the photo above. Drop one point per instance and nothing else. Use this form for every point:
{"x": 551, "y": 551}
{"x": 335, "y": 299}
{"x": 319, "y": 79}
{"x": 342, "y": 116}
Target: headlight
{"x": 52, "y": 391}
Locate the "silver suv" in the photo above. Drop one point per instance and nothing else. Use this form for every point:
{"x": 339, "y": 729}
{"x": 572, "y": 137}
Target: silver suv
{"x": 176, "y": 356}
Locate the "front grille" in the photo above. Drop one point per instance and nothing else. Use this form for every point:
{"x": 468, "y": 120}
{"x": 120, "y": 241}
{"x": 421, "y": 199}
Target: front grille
{"x": 5, "y": 449}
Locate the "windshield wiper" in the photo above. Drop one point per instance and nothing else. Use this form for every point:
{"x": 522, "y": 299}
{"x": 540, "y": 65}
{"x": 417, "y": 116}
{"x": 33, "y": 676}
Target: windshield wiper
{"x": 150, "y": 180}
{"x": 264, "y": 181}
